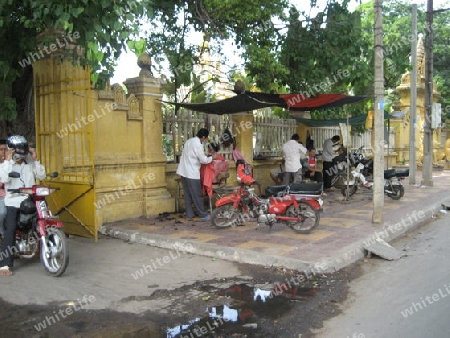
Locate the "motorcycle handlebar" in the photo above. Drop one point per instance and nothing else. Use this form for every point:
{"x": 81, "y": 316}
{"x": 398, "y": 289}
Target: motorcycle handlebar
{"x": 17, "y": 190}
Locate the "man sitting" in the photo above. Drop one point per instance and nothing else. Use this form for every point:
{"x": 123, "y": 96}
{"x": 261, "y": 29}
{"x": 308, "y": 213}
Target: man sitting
{"x": 312, "y": 172}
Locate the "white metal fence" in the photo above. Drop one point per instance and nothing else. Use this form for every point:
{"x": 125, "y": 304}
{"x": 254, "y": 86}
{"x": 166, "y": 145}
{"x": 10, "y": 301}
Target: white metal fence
{"x": 320, "y": 134}
{"x": 177, "y": 129}
{"x": 269, "y": 132}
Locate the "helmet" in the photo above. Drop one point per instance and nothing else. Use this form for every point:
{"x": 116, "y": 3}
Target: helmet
{"x": 19, "y": 144}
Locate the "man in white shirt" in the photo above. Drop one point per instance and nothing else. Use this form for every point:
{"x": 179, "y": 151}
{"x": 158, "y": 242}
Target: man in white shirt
{"x": 23, "y": 160}
{"x": 192, "y": 157}
{"x": 292, "y": 151}
{"x": 327, "y": 158}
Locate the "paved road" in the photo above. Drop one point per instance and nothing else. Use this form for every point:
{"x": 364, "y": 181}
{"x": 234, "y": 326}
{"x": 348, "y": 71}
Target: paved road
{"x": 111, "y": 271}
{"x": 405, "y": 298}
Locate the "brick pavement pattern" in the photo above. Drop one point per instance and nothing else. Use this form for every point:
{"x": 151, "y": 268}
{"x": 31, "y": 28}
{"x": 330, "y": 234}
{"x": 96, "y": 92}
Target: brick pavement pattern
{"x": 345, "y": 226}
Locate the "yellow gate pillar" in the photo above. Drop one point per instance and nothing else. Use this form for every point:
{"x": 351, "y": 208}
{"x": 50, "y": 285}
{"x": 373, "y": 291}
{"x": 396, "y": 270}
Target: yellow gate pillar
{"x": 147, "y": 89}
{"x": 401, "y": 125}
{"x": 303, "y": 130}
{"x": 243, "y": 132}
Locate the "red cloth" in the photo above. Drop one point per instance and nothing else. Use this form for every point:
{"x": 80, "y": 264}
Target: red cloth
{"x": 206, "y": 177}
{"x": 209, "y": 173}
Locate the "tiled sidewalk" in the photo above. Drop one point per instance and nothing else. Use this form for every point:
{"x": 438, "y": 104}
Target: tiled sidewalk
{"x": 344, "y": 227}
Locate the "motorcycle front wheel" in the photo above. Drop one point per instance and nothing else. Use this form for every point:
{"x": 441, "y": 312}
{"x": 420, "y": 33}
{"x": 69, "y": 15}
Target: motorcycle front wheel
{"x": 226, "y": 216}
{"x": 56, "y": 257}
{"x": 308, "y": 218}
{"x": 398, "y": 192}
{"x": 351, "y": 190}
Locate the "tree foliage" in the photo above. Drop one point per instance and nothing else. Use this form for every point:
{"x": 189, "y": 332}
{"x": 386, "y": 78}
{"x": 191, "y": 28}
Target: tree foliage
{"x": 397, "y": 44}
{"x": 334, "y": 52}
{"x": 247, "y": 23}
{"x": 101, "y": 28}
{"x": 283, "y": 48}
{"x": 441, "y": 58}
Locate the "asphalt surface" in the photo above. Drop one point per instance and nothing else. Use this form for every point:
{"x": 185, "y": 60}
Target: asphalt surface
{"x": 344, "y": 232}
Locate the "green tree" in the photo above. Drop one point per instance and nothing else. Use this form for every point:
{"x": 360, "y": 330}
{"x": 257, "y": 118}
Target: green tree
{"x": 334, "y": 52}
{"x": 248, "y": 23}
{"x": 441, "y": 58}
{"x": 99, "y": 27}
{"x": 397, "y": 45}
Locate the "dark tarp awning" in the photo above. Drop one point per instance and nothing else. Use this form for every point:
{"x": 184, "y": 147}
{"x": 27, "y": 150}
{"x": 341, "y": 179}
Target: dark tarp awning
{"x": 254, "y": 100}
{"x": 235, "y": 104}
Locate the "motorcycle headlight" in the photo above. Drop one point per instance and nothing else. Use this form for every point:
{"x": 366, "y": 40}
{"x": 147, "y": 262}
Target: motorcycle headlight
{"x": 43, "y": 191}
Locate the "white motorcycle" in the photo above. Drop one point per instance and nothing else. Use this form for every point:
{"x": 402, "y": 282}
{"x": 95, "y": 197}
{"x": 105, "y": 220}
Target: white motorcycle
{"x": 393, "y": 187}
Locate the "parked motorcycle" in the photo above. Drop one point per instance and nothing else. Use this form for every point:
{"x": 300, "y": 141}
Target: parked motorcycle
{"x": 284, "y": 205}
{"x": 393, "y": 178}
{"x": 348, "y": 169}
{"x": 38, "y": 231}
{"x": 393, "y": 187}
{"x": 357, "y": 179}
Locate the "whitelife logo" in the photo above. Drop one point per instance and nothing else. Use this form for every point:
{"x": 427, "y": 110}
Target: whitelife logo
{"x": 59, "y": 43}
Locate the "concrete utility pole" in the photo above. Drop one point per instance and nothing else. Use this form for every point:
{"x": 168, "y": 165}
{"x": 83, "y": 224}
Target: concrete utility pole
{"x": 427, "y": 171}
{"x": 413, "y": 102}
{"x": 378, "y": 151}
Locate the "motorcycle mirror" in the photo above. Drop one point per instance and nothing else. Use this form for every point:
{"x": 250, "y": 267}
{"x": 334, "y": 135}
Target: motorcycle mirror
{"x": 14, "y": 174}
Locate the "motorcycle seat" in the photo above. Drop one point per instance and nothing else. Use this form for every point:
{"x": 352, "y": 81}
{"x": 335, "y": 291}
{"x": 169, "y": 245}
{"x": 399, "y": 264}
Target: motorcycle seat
{"x": 402, "y": 172}
{"x": 389, "y": 173}
{"x": 295, "y": 189}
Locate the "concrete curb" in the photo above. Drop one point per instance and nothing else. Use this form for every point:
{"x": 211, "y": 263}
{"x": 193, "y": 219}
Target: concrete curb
{"x": 341, "y": 258}
{"x": 205, "y": 249}
{"x": 354, "y": 252}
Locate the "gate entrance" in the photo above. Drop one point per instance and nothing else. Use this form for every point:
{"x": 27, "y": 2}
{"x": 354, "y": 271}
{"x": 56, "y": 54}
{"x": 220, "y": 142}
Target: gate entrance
{"x": 64, "y": 141}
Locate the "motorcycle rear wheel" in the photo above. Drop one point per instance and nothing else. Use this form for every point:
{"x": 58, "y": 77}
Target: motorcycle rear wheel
{"x": 226, "y": 216}
{"x": 308, "y": 218}
{"x": 56, "y": 258}
{"x": 398, "y": 192}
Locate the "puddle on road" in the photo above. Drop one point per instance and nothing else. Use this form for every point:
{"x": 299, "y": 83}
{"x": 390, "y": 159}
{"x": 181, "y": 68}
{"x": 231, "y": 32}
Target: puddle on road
{"x": 240, "y": 318}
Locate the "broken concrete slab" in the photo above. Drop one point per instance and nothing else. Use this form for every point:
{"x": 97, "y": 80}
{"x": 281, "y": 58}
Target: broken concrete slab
{"x": 384, "y": 250}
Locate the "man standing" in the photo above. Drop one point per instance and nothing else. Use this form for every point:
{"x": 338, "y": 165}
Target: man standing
{"x": 327, "y": 157}
{"x": 21, "y": 159}
{"x": 192, "y": 157}
{"x": 292, "y": 151}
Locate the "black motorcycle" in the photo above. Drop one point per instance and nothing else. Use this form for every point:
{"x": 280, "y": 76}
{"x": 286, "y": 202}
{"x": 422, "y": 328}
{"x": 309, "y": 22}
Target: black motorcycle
{"x": 393, "y": 187}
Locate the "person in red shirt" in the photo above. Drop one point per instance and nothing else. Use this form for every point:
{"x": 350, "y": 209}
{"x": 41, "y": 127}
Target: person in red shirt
{"x": 312, "y": 172}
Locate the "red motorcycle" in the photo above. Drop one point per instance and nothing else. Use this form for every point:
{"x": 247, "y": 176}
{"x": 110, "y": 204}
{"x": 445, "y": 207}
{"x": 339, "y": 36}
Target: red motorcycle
{"x": 39, "y": 231}
{"x": 298, "y": 211}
